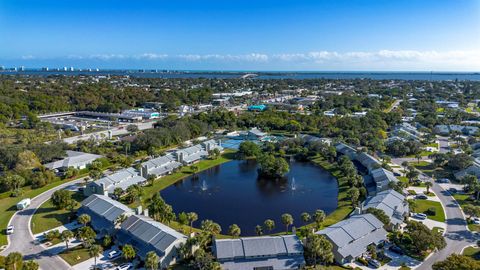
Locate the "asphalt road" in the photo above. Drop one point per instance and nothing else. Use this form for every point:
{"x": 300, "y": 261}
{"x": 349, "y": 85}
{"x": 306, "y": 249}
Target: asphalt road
{"x": 22, "y": 239}
{"x": 456, "y": 235}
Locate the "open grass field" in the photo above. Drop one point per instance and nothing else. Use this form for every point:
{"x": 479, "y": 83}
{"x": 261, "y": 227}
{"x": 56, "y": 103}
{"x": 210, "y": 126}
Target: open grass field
{"x": 48, "y": 216}
{"x": 424, "y": 205}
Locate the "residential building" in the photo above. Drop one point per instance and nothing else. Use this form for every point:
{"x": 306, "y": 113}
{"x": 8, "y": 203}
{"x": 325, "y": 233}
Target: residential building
{"x": 351, "y": 237}
{"x": 120, "y": 179}
{"x": 473, "y": 169}
{"x": 447, "y": 129}
{"x": 346, "y": 150}
{"x": 197, "y": 152}
{"x": 392, "y": 203}
{"x": 368, "y": 161}
{"x": 255, "y": 134}
{"x": 146, "y": 234}
{"x": 104, "y": 212}
{"x": 74, "y": 159}
{"x": 160, "y": 166}
{"x": 382, "y": 179}
{"x": 255, "y": 253}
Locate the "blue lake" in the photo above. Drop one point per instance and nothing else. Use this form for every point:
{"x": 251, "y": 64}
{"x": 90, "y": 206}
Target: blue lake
{"x": 232, "y": 193}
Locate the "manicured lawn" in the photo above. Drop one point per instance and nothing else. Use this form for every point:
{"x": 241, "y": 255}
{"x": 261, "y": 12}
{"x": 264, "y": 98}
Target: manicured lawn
{"x": 473, "y": 252}
{"x": 403, "y": 179}
{"x": 168, "y": 180}
{"x": 344, "y": 207}
{"x": 423, "y": 205}
{"x": 75, "y": 255}
{"x": 48, "y": 216}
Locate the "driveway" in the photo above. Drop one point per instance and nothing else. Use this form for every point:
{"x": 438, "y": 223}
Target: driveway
{"x": 23, "y": 240}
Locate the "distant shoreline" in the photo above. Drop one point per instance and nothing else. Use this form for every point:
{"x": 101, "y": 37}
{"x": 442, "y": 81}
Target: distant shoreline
{"x": 297, "y": 75}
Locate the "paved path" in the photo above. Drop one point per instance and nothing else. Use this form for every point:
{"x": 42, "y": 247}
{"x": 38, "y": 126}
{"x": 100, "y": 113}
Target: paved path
{"x": 23, "y": 241}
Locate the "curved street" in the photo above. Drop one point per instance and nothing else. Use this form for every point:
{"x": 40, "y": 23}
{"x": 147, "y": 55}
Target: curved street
{"x": 457, "y": 234}
{"x": 22, "y": 239}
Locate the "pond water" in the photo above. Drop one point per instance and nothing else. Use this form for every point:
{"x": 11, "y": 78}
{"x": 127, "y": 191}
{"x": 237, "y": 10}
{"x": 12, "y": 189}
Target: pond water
{"x": 233, "y": 193}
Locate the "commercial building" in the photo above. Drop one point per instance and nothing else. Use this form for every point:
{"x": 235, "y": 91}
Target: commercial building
{"x": 104, "y": 213}
{"x": 146, "y": 234}
{"x": 266, "y": 252}
{"x": 121, "y": 179}
{"x": 74, "y": 159}
{"x": 351, "y": 237}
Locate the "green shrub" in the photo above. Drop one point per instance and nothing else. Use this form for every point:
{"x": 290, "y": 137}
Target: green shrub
{"x": 431, "y": 211}
{"x": 362, "y": 261}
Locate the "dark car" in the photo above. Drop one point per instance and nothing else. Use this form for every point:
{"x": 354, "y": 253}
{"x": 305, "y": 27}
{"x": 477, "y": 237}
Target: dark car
{"x": 396, "y": 249}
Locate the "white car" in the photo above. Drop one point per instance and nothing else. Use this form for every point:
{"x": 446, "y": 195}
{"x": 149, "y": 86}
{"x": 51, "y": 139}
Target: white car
{"x": 10, "y": 229}
{"x": 114, "y": 253}
{"x": 125, "y": 266}
{"x": 476, "y": 220}
{"x": 421, "y": 216}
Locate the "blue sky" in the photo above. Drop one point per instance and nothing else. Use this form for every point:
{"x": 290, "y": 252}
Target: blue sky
{"x": 239, "y": 35}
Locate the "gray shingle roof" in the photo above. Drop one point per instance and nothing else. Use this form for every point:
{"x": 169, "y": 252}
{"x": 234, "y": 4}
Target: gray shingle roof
{"x": 382, "y": 178}
{"x": 121, "y": 179}
{"x": 352, "y": 236}
{"x": 391, "y": 202}
{"x": 368, "y": 161}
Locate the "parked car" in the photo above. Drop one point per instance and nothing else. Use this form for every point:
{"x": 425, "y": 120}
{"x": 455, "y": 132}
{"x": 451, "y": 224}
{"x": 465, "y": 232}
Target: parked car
{"x": 114, "y": 253}
{"x": 396, "y": 249}
{"x": 421, "y": 197}
{"x": 125, "y": 266}
{"x": 421, "y": 216}
{"x": 374, "y": 263}
{"x": 476, "y": 220}
{"x": 452, "y": 190}
{"x": 10, "y": 229}
{"x": 443, "y": 180}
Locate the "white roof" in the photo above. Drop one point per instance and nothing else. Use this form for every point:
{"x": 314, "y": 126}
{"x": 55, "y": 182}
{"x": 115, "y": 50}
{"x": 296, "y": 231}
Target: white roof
{"x": 73, "y": 159}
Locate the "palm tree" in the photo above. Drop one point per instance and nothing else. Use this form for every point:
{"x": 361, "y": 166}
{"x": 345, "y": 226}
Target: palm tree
{"x": 269, "y": 225}
{"x": 14, "y": 259}
{"x": 258, "y": 230}
{"x": 66, "y": 236}
{"x": 428, "y": 185}
{"x": 94, "y": 251}
{"x": 319, "y": 217}
{"x": 120, "y": 219}
{"x": 151, "y": 179}
{"x": 192, "y": 217}
{"x": 234, "y": 230}
{"x": 30, "y": 265}
{"x": 405, "y": 165}
{"x": 84, "y": 219}
{"x": 287, "y": 220}
{"x": 305, "y": 217}
{"x": 418, "y": 156}
{"x": 152, "y": 260}
{"x": 211, "y": 227}
{"x": 128, "y": 252}
{"x": 86, "y": 235}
